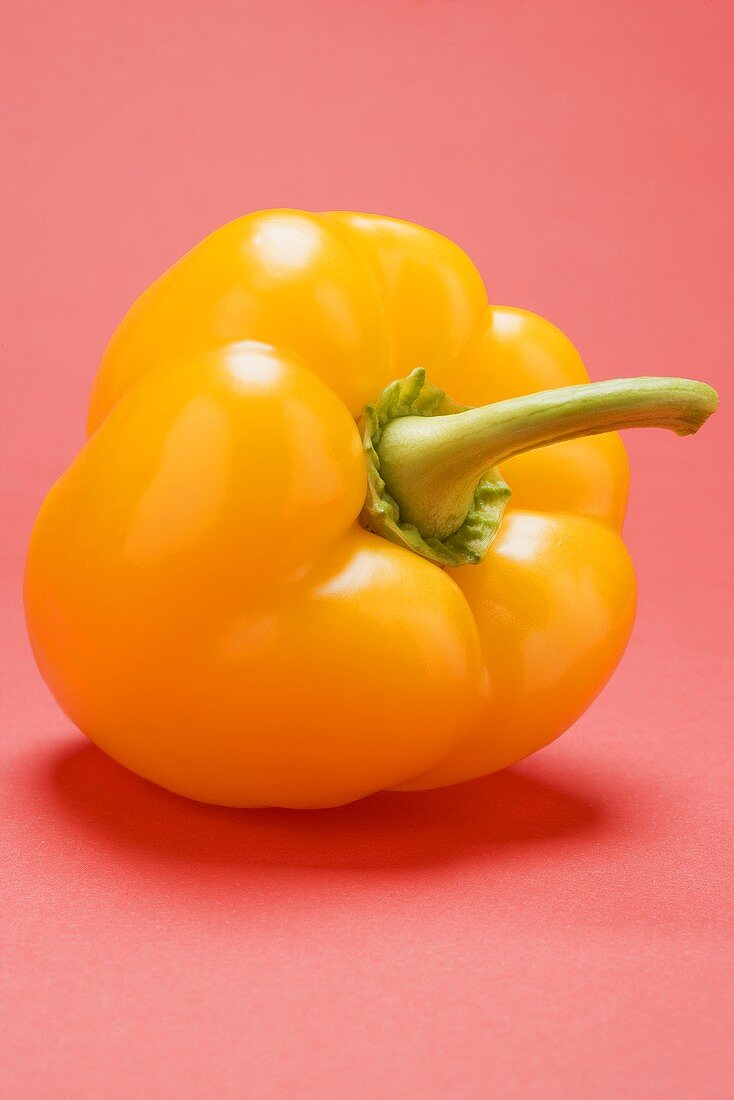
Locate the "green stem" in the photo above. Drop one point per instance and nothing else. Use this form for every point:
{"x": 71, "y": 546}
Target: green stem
{"x": 431, "y": 464}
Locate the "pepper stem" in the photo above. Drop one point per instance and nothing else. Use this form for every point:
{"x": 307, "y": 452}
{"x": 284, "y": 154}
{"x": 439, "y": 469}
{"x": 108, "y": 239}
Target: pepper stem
{"x": 431, "y": 465}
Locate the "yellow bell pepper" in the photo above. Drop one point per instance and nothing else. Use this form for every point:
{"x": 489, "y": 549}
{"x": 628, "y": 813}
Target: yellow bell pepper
{"x": 285, "y": 570}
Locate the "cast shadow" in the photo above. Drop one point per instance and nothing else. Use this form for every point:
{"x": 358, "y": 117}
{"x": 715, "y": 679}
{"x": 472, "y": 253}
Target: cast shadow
{"x": 384, "y": 831}
{"x": 116, "y": 808}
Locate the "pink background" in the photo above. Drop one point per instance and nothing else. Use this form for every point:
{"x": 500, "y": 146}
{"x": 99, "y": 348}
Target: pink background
{"x": 559, "y": 930}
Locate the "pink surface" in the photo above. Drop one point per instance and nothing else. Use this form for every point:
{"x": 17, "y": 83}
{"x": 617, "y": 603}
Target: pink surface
{"x": 559, "y": 930}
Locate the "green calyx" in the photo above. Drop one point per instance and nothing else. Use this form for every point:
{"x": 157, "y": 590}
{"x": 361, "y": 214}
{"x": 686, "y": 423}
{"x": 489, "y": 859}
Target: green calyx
{"x": 413, "y": 397}
{"x": 432, "y": 482}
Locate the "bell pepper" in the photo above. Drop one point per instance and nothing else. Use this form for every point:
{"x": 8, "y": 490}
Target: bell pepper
{"x": 285, "y": 568}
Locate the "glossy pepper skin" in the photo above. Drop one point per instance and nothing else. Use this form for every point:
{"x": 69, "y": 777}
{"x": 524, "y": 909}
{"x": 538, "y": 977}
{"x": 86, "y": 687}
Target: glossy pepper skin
{"x": 201, "y": 596}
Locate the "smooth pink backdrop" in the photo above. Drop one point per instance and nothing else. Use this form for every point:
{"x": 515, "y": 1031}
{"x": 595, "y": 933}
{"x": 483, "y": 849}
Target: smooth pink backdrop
{"x": 560, "y": 930}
